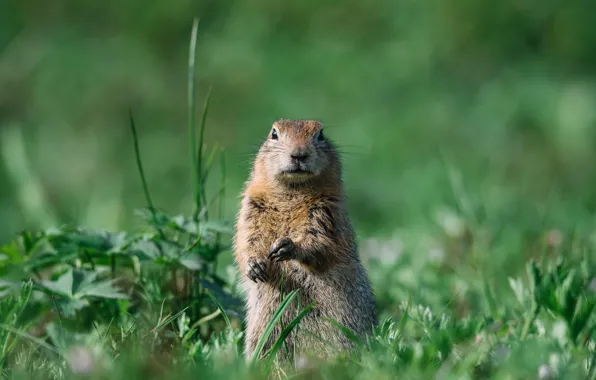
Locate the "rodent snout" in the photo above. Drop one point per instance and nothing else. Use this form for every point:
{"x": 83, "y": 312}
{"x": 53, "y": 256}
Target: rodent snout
{"x": 299, "y": 156}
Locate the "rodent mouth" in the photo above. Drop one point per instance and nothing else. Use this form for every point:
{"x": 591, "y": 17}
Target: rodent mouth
{"x": 297, "y": 173}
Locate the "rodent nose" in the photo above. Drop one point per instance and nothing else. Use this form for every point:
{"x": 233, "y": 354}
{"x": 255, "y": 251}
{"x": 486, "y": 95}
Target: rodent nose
{"x": 299, "y": 156}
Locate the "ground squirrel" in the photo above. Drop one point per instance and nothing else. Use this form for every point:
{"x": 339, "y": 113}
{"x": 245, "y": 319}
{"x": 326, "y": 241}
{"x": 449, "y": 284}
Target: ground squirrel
{"x": 293, "y": 220}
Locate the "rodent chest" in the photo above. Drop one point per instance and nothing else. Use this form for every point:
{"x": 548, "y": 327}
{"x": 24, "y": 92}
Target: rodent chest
{"x": 278, "y": 220}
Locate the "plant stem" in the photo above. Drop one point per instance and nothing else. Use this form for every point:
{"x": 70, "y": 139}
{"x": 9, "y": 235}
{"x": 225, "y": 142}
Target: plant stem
{"x": 113, "y": 265}
{"x": 144, "y": 180}
{"x": 528, "y": 323}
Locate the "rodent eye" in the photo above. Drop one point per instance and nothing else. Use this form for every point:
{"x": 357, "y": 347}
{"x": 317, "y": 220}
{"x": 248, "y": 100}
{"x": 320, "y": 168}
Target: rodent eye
{"x": 274, "y": 134}
{"x": 321, "y": 136}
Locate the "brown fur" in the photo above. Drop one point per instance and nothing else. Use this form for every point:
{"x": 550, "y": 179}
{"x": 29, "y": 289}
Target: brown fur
{"x": 298, "y": 224}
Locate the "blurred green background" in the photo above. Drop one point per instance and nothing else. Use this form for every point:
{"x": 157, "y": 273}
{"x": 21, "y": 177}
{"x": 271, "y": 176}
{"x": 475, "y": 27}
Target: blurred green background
{"x": 445, "y": 110}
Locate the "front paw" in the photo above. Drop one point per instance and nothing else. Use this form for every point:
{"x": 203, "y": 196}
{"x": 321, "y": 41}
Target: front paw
{"x": 283, "y": 249}
{"x": 257, "y": 269}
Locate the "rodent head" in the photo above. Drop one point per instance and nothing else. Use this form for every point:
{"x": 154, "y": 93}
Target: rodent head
{"x": 297, "y": 152}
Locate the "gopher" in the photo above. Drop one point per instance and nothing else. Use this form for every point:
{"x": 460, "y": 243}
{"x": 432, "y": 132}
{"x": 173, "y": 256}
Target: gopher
{"x": 293, "y": 232}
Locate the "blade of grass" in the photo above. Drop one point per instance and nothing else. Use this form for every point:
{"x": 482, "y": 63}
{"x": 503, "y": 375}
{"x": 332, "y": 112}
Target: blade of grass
{"x": 286, "y": 332}
{"x": 144, "y": 180}
{"x": 222, "y": 165}
{"x": 271, "y": 325}
{"x": 14, "y": 313}
{"x": 209, "y": 164}
{"x": 220, "y": 211}
{"x": 347, "y": 332}
{"x": 458, "y": 189}
{"x": 206, "y": 318}
{"x": 210, "y": 203}
{"x": 404, "y": 318}
{"x": 205, "y": 174}
{"x": 34, "y": 200}
{"x": 200, "y": 143}
{"x": 162, "y": 323}
{"x": 220, "y": 307}
{"x": 530, "y": 318}
{"x": 490, "y": 299}
{"x": 40, "y": 342}
{"x": 191, "y": 114}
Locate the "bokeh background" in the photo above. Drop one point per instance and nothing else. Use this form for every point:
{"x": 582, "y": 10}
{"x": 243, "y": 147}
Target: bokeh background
{"x": 453, "y": 116}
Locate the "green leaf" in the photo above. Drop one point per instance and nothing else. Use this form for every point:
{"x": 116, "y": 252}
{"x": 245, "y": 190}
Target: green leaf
{"x": 7, "y": 288}
{"x": 78, "y": 284}
{"x": 518, "y": 289}
{"x": 10, "y": 254}
{"x": 156, "y": 217}
{"x": 70, "y": 307}
{"x": 217, "y": 226}
{"x": 62, "y": 286}
{"x": 144, "y": 249}
{"x": 103, "y": 289}
{"x": 192, "y": 262}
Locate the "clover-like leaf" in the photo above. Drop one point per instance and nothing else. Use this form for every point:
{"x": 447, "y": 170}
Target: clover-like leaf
{"x": 78, "y": 284}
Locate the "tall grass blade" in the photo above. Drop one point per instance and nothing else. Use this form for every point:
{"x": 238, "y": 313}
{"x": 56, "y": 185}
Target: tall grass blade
{"x": 39, "y": 342}
{"x": 271, "y": 325}
{"x": 200, "y": 145}
{"x": 143, "y": 179}
{"x": 286, "y": 332}
{"x": 191, "y": 115}
{"x": 206, "y": 318}
{"x": 222, "y": 166}
{"x": 220, "y": 307}
{"x": 167, "y": 320}
{"x": 490, "y": 299}
{"x": 221, "y": 207}
{"x": 12, "y": 315}
{"x": 209, "y": 164}
{"x": 347, "y": 332}
{"x": 405, "y": 317}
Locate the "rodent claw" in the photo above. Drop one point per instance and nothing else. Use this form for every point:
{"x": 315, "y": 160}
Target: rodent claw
{"x": 261, "y": 272}
{"x": 282, "y": 250}
{"x": 256, "y": 271}
{"x": 256, "y": 276}
{"x": 278, "y": 256}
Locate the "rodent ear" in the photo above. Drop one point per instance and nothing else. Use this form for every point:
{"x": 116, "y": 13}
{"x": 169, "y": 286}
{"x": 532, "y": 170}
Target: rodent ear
{"x": 320, "y": 135}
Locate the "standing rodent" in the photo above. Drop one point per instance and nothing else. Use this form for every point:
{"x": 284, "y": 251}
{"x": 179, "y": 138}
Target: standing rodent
{"x": 293, "y": 220}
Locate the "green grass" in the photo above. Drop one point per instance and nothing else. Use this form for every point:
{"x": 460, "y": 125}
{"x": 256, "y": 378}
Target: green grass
{"x": 72, "y": 315}
{"x": 488, "y": 290}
